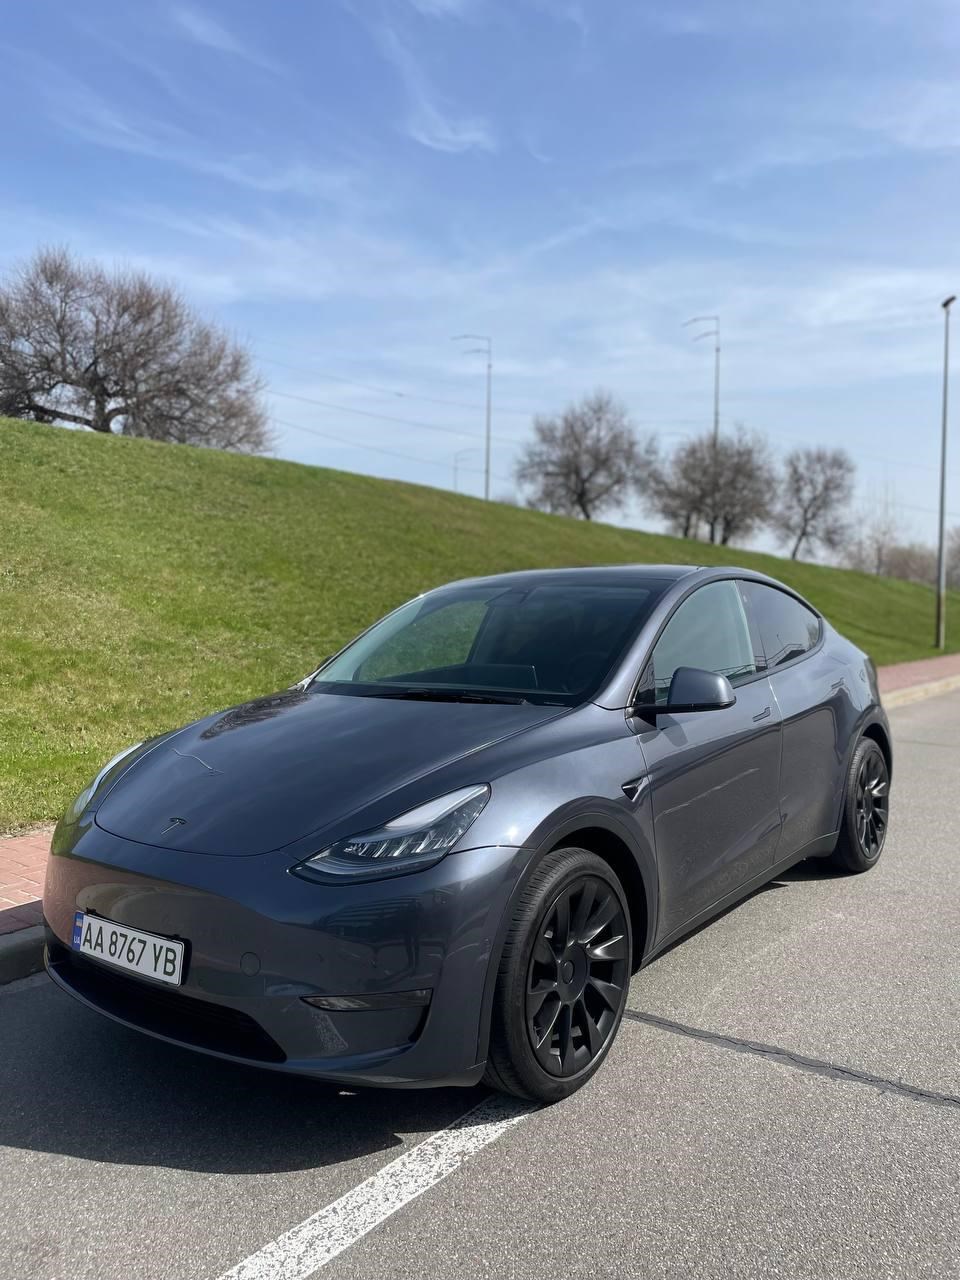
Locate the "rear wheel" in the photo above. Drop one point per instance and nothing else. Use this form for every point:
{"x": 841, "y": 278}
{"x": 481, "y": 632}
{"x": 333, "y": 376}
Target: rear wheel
{"x": 866, "y": 810}
{"x": 563, "y": 978}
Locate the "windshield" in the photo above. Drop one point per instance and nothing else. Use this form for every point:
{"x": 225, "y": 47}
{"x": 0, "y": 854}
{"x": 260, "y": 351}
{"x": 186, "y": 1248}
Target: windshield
{"x": 550, "y": 643}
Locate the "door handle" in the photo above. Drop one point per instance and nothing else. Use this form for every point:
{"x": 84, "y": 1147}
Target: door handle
{"x": 762, "y": 715}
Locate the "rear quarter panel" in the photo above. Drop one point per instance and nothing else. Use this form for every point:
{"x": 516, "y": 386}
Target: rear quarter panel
{"x": 820, "y": 699}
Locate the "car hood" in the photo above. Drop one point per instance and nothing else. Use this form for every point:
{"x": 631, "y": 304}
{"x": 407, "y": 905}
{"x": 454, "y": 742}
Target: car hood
{"x": 270, "y": 772}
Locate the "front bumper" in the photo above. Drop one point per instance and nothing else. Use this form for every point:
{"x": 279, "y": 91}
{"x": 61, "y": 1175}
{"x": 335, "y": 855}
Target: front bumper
{"x": 259, "y": 940}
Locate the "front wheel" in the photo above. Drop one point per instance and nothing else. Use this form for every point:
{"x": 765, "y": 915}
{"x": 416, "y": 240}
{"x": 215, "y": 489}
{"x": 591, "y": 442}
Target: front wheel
{"x": 563, "y": 978}
{"x": 866, "y": 810}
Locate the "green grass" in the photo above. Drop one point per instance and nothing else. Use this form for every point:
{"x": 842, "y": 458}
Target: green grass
{"x": 143, "y": 585}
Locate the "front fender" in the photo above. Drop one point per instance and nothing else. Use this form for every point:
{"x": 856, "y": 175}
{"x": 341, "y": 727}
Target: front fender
{"x": 594, "y": 815}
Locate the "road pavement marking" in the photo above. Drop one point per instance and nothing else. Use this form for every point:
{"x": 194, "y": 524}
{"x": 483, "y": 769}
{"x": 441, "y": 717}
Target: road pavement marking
{"x": 303, "y": 1249}
{"x": 815, "y": 1065}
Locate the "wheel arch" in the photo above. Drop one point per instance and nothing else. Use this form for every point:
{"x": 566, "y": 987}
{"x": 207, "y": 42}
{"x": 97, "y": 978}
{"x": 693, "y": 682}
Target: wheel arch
{"x": 609, "y": 846}
{"x": 872, "y": 724}
{"x": 604, "y": 834}
{"x": 875, "y": 730}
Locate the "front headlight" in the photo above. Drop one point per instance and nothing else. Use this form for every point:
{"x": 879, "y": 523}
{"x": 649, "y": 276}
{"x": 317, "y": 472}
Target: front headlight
{"x": 415, "y": 840}
{"x": 82, "y": 801}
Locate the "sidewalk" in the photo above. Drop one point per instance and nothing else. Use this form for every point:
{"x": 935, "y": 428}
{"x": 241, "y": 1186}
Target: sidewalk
{"x": 895, "y": 681}
{"x": 23, "y": 859}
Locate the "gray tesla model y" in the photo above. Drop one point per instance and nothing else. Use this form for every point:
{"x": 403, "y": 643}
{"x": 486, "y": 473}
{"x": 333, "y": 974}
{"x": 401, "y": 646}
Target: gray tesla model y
{"x": 440, "y": 857}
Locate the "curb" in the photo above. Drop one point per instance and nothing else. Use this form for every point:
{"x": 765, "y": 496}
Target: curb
{"x": 21, "y": 953}
{"x": 917, "y": 692}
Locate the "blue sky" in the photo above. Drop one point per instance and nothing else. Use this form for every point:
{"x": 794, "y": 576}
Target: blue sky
{"x": 348, "y": 183}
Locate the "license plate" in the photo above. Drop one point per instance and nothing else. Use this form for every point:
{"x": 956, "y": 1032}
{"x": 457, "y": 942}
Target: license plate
{"x": 130, "y": 949}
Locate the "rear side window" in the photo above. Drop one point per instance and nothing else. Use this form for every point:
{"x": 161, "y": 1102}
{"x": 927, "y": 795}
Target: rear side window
{"x": 709, "y": 630}
{"x": 788, "y": 629}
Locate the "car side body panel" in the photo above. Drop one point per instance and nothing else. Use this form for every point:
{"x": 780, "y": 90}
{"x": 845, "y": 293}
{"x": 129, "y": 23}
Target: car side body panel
{"x": 713, "y": 781}
{"x": 816, "y": 699}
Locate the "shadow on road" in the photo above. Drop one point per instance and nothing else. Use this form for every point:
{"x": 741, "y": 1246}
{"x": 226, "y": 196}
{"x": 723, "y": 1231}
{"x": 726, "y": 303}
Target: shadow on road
{"x": 812, "y": 869}
{"x": 803, "y": 872}
{"x": 76, "y": 1084}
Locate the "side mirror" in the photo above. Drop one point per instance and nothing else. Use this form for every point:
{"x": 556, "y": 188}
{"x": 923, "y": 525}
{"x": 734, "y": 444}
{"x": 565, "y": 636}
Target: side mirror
{"x": 693, "y": 689}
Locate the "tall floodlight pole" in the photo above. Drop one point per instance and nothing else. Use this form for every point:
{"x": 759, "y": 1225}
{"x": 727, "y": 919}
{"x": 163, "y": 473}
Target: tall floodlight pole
{"x": 485, "y": 350}
{"x": 712, "y": 332}
{"x": 941, "y": 636}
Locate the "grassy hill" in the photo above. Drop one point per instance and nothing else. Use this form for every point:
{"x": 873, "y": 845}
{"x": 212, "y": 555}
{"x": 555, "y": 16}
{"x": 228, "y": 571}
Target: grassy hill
{"x": 142, "y": 585}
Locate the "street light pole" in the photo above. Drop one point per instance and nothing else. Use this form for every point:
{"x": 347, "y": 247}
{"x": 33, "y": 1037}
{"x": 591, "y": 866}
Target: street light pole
{"x": 714, "y": 333}
{"x": 486, "y": 460}
{"x": 487, "y": 350}
{"x": 716, "y": 386}
{"x": 941, "y": 636}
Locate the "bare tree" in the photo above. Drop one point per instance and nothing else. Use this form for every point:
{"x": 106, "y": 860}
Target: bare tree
{"x": 680, "y": 488}
{"x": 912, "y": 561}
{"x": 877, "y": 531}
{"x": 881, "y": 547}
{"x": 583, "y": 461}
{"x": 119, "y": 352}
{"x": 721, "y": 488}
{"x": 815, "y": 491}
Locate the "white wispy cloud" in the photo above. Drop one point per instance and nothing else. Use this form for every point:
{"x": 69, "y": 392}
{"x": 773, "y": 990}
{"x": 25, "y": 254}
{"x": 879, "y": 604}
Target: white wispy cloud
{"x": 443, "y": 8}
{"x": 74, "y": 107}
{"x": 431, "y": 120}
{"x": 920, "y": 116}
{"x": 572, "y": 11}
{"x": 841, "y": 123}
{"x": 801, "y": 325}
{"x": 206, "y": 31}
{"x": 530, "y": 137}
{"x": 801, "y": 150}
{"x": 430, "y": 125}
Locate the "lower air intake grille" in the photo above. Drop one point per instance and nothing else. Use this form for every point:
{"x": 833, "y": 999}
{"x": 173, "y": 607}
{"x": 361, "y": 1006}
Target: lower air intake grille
{"x": 168, "y": 1013}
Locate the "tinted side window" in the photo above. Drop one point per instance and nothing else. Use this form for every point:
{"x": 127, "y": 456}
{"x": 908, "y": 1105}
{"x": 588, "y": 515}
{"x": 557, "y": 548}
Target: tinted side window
{"x": 708, "y": 630}
{"x": 787, "y": 627}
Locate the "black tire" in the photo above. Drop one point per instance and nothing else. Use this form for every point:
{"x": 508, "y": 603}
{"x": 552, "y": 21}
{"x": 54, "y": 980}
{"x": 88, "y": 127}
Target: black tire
{"x": 563, "y": 978}
{"x": 866, "y": 810}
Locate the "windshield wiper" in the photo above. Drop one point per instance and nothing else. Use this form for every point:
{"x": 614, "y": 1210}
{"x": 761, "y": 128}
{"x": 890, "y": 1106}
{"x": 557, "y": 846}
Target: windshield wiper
{"x": 448, "y": 695}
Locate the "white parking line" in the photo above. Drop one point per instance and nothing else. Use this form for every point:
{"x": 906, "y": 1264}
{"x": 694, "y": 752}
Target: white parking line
{"x": 303, "y": 1249}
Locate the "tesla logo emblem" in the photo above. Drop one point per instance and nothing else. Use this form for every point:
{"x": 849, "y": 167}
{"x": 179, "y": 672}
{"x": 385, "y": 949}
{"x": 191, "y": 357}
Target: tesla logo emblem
{"x": 174, "y": 822}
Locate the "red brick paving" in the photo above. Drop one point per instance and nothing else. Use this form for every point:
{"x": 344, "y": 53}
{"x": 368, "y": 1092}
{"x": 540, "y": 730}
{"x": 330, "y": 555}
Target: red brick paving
{"x": 23, "y": 859}
{"x": 905, "y": 674}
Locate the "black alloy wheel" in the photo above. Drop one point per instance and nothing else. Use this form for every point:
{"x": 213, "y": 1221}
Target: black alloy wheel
{"x": 563, "y": 977}
{"x": 866, "y": 810}
{"x": 578, "y": 972}
{"x": 872, "y": 799}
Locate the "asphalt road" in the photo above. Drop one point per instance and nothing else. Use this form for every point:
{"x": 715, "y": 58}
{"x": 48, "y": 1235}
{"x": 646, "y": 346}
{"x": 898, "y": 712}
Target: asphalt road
{"x": 785, "y": 1101}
